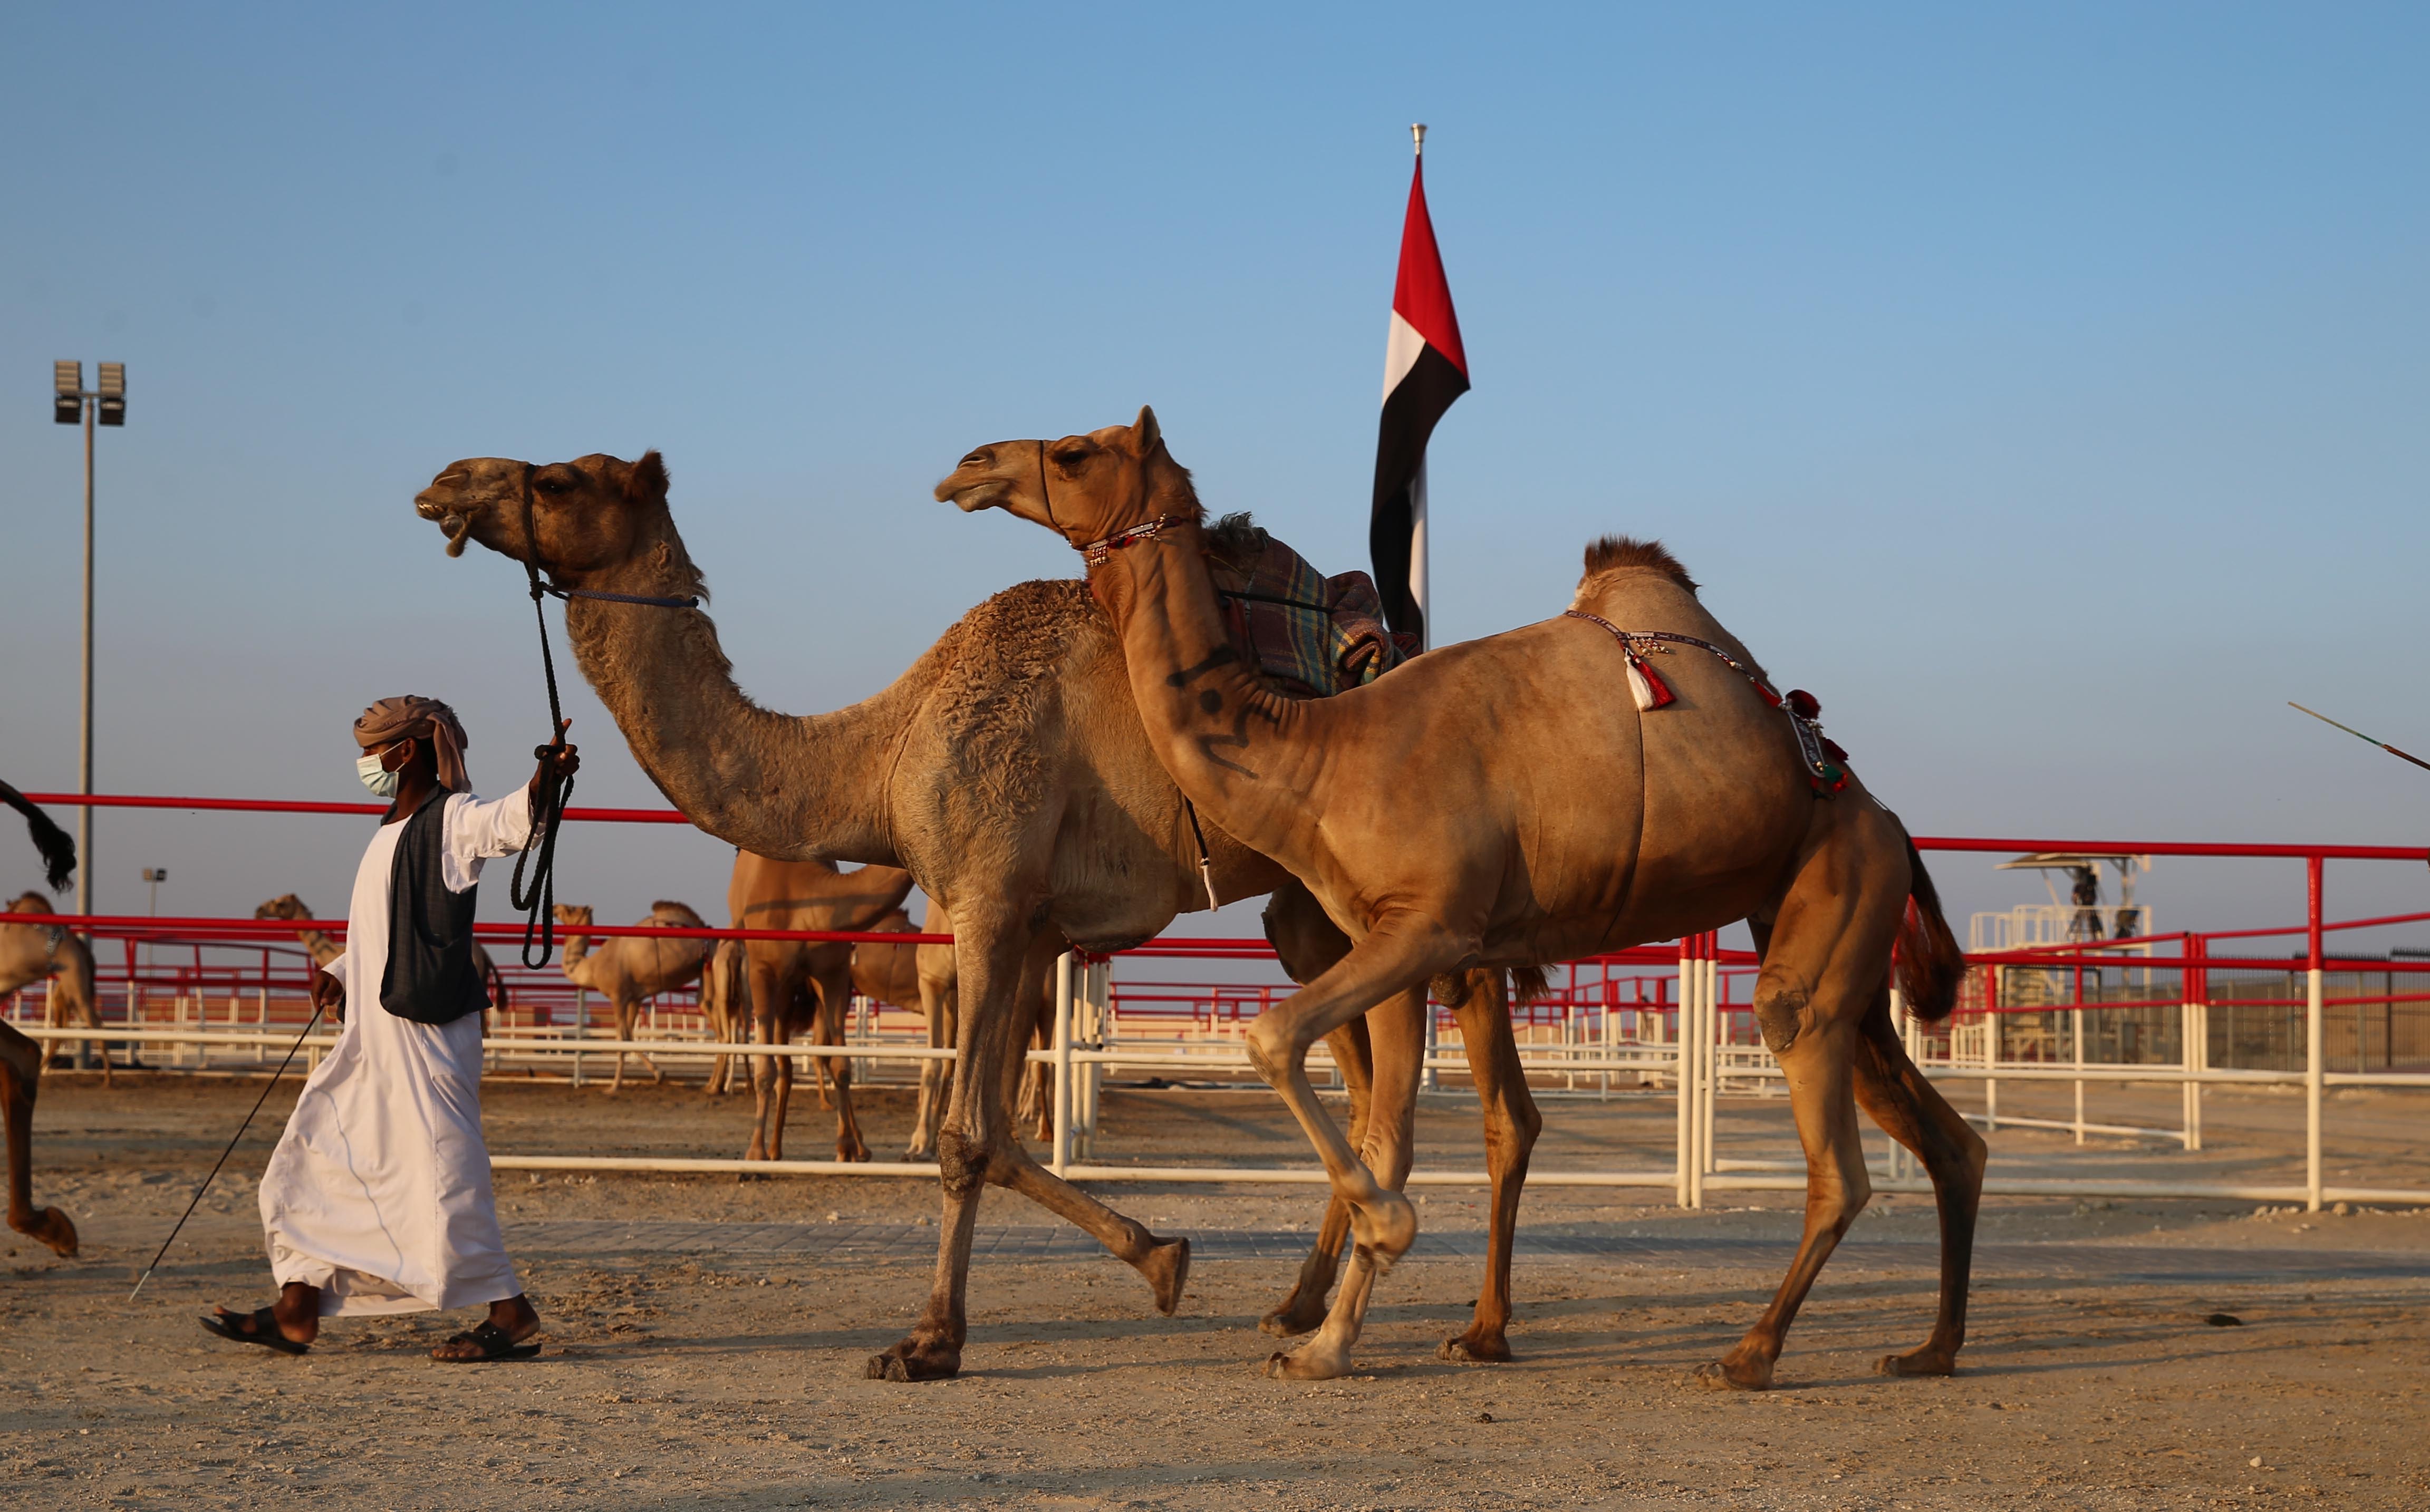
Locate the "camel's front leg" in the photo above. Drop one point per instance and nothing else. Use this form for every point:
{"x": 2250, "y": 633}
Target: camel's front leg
{"x": 625, "y": 1013}
{"x": 1511, "y": 1124}
{"x": 1399, "y": 1044}
{"x": 1304, "y": 1308}
{"x": 765, "y": 1072}
{"x": 20, "y": 1070}
{"x": 988, "y": 956}
{"x": 1398, "y": 956}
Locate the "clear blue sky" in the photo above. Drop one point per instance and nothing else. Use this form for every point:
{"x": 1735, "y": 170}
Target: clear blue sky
{"x": 2042, "y": 386}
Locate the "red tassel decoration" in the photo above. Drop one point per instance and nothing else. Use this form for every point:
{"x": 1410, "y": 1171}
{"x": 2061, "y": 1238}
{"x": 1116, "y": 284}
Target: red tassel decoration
{"x": 1647, "y": 686}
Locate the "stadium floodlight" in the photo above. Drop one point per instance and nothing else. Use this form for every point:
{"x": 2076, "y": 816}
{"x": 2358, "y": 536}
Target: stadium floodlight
{"x": 112, "y": 394}
{"x": 67, "y": 392}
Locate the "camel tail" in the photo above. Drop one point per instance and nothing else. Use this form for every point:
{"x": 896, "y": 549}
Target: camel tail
{"x": 1930, "y": 965}
{"x": 57, "y": 845}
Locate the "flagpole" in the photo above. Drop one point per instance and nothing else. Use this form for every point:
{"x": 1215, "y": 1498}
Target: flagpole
{"x": 1421, "y": 583}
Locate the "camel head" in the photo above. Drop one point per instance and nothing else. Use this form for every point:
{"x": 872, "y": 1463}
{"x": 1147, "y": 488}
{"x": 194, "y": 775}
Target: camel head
{"x": 1083, "y": 487}
{"x": 592, "y": 515}
{"x": 290, "y": 907}
{"x": 569, "y": 913}
{"x": 29, "y": 903}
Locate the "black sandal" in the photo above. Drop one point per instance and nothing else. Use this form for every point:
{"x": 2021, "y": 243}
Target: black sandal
{"x": 261, "y": 1326}
{"x": 496, "y": 1344}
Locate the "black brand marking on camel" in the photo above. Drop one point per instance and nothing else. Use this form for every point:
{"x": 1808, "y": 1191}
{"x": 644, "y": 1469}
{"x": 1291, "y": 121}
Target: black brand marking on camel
{"x": 1221, "y": 656}
{"x": 1237, "y": 740}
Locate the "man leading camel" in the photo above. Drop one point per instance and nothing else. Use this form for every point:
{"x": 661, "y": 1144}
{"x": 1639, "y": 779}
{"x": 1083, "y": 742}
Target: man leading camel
{"x": 378, "y": 1199}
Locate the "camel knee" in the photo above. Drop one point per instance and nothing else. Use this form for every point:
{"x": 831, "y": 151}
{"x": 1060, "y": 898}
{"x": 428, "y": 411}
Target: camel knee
{"x": 962, "y": 1162}
{"x": 1780, "y": 1013}
{"x": 1273, "y": 1049}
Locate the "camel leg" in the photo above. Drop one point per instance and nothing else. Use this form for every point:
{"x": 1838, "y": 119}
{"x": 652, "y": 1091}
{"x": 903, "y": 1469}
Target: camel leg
{"x": 988, "y": 957}
{"x": 835, "y": 1001}
{"x": 937, "y": 1006}
{"x": 1912, "y": 1112}
{"x": 1511, "y": 1124}
{"x": 1402, "y": 953}
{"x": 1827, "y": 959}
{"x": 1399, "y": 1044}
{"x": 1304, "y": 1308}
{"x": 20, "y": 1070}
{"x": 625, "y": 1013}
{"x": 767, "y": 1016}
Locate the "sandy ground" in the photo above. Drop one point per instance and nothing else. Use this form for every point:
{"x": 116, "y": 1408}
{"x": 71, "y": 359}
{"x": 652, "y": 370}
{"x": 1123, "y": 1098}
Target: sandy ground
{"x": 734, "y": 1379}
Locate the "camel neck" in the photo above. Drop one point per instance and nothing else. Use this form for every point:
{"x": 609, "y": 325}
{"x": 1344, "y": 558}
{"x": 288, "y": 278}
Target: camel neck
{"x": 784, "y": 785}
{"x": 1237, "y": 748}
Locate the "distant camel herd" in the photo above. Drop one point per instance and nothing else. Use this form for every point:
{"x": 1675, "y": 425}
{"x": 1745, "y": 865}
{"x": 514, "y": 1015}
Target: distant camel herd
{"x": 1075, "y": 763}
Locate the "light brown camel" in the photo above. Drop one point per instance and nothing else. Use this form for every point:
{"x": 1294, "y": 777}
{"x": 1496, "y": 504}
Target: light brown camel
{"x": 324, "y": 947}
{"x": 20, "y": 1054}
{"x": 1565, "y": 823}
{"x": 788, "y": 976}
{"x": 725, "y": 1002}
{"x": 1007, "y": 770}
{"x": 34, "y": 953}
{"x": 940, "y": 1006}
{"x": 629, "y": 969}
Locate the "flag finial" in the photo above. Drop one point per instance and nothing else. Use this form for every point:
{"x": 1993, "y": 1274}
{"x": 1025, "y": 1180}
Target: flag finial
{"x": 1418, "y": 136}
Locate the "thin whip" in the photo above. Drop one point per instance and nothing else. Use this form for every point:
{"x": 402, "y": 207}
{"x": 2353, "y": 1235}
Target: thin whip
{"x": 225, "y": 1153}
{"x": 2358, "y": 735}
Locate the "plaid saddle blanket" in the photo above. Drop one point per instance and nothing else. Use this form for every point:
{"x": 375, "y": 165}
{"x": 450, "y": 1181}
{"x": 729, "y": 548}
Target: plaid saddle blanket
{"x": 1316, "y": 636}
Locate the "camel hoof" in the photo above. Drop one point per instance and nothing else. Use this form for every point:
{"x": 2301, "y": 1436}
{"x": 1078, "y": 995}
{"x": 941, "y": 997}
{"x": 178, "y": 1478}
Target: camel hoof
{"x": 52, "y": 1227}
{"x": 1295, "y": 1317}
{"x": 1304, "y": 1364}
{"x": 1167, "y": 1269}
{"x": 1466, "y": 1351}
{"x": 916, "y": 1360}
{"x": 1722, "y": 1376}
{"x": 1925, "y": 1362}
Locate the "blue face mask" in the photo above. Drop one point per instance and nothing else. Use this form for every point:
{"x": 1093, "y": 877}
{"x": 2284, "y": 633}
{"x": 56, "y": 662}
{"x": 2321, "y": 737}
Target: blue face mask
{"x": 381, "y": 782}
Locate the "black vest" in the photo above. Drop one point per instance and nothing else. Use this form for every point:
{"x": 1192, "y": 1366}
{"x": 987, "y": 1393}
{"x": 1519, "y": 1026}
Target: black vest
{"x": 431, "y": 977}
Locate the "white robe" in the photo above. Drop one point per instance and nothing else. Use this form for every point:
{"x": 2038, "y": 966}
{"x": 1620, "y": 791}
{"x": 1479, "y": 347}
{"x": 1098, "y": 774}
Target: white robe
{"x": 378, "y": 1192}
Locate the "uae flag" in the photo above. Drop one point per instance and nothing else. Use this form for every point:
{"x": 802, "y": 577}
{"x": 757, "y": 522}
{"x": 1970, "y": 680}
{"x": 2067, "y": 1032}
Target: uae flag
{"x": 1424, "y": 370}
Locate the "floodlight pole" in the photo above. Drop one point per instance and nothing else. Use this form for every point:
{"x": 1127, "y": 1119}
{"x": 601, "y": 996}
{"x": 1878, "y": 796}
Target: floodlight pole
{"x": 84, "y": 743}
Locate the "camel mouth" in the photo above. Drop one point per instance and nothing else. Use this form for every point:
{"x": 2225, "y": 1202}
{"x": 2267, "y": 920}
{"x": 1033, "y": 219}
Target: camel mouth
{"x": 972, "y": 497}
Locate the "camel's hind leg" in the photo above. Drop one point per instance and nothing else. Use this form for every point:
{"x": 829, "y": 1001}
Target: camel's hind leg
{"x": 1511, "y": 1124}
{"x": 1827, "y": 956}
{"x": 1304, "y": 1308}
{"x": 20, "y": 1070}
{"x": 1912, "y": 1112}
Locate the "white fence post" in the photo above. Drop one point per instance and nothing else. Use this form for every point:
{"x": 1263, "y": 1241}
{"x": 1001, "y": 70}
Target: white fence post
{"x": 1063, "y": 1062}
{"x": 1685, "y": 1079}
{"x": 2076, "y": 1037}
{"x": 2195, "y": 1033}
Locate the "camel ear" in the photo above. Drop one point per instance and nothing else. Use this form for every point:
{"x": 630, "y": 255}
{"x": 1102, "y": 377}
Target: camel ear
{"x": 1146, "y": 432}
{"x": 649, "y": 478}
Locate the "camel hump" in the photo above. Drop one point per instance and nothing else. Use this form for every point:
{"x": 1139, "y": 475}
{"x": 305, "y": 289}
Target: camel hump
{"x": 668, "y": 911}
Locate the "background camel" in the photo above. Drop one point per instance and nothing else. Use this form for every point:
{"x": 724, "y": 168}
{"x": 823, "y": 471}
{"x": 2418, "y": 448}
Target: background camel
{"x": 788, "y": 976}
{"x": 629, "y": 969}
{"x": 1007, "y": 770}
{"x": 324, "y": 947}
{"x": 725, "y": 1002}
{"x": 1605, "y": 803}
{"x": 21, "y": 1055}
{"x": 30, "y": 953}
